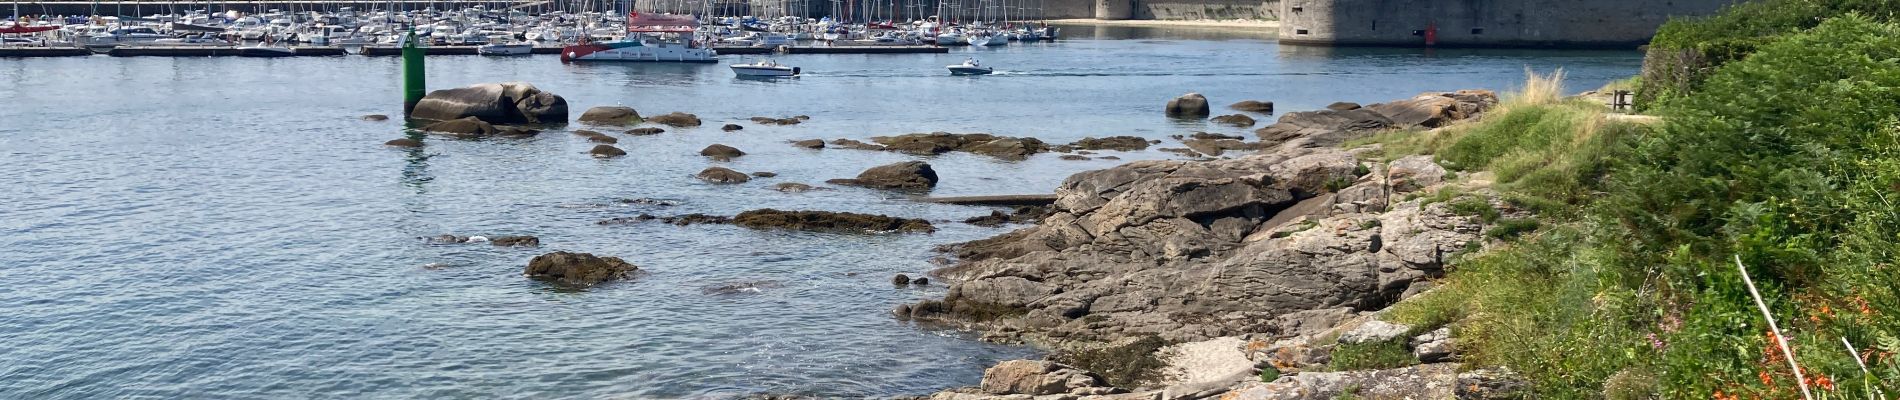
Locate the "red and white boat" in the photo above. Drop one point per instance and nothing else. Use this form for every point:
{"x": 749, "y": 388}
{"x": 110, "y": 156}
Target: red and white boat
{"x": 650, "y": 38}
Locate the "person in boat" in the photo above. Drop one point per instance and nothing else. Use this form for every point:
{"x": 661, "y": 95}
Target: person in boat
{"x": 970, "y": 62}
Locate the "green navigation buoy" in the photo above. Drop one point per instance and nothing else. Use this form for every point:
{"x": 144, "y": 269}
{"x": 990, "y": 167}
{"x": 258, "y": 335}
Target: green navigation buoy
{"x": 414, "y": 84}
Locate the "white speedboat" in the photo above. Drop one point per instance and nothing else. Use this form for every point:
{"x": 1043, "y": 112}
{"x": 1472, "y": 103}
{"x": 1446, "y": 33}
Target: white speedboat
{"x": 265, "y": 51}
{"x": 950, "y": 39}
{"x": 205, "y": 40}
{"x": 764, "y": 69}
{"x": 505, "y": 49}
{"x": 970, "y": 67}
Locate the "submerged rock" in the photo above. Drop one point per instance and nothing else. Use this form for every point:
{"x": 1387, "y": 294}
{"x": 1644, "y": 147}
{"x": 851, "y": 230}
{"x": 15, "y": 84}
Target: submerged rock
{"x": 376, "y": 117}
{"x": 515, "y": 241}
{"x": 676, "y": 120}
{"x": 607, "y": 151}
{"x": 900, "y": 280}
{"x": 731, "y": 127}
{"x": 610, "y": 115}
{"x": 722, "y": 175}
{"x": 469, "y": 127}
{"x": 828, "y": 221}
{"x": 738, "y": 288}
{"x": 855, "y": 145}
{"x": 578, "y": 269}
{"x": 793, "y": 187}
{"x": 597, "y": 137}
{"x": 1117, "y": 143}
{"x": 405, "y": 142}
{"x": 764, "y": 174}
{"x": 1239, "y": 120}
{"x": 778, "y": 121}
{"x": 721, "y": 152}
{"x": 495, "y": 103}
{"x": 645, "y": 131}
{"x": 908, "y": 175}
{"x": 1253, "y": 106}
{"x": 810, "y": 143}
{"x": 1191, "y": 105}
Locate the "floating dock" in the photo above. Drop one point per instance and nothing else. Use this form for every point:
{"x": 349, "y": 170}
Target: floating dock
{"x": 212, "y": 51}
{"x": 836, "y": 50}
{"x": 14, "y": 52}
{"x": 391, "y": 50}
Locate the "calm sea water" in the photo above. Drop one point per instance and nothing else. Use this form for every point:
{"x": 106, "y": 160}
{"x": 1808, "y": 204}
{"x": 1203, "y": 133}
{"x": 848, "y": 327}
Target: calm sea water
{"x": 228, "y": 228}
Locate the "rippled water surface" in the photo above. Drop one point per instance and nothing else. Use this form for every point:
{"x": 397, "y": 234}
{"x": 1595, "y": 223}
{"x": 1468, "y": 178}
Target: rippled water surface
{"x": 220, "y": 227}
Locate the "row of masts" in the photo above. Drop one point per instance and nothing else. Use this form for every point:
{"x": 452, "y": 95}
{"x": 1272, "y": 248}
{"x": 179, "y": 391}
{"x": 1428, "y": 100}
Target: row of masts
{"x": 857, "y": 11}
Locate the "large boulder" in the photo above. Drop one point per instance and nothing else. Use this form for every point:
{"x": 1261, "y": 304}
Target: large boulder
{"x": 1432, "y": 110}
{"x": 610, "y": 115}
{"x": 495, "y": 103}
{"x": 676, "y": 120}
{"x": 1191, "y": 105}
{"x": 578, "y": 269}
{"x": 908, "y": 175}
{"x": 1036, "y": 378}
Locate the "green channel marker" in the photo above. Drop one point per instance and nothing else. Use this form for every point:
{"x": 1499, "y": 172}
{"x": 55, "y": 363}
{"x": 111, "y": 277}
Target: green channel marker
{"x": 414, "y": 83}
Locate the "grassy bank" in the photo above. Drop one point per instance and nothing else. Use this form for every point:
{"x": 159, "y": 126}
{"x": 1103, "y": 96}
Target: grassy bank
{"x": 1786, "y": 159}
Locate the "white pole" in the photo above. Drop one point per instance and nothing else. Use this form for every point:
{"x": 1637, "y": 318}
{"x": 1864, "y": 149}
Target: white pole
{"x": 1773, "y": 328}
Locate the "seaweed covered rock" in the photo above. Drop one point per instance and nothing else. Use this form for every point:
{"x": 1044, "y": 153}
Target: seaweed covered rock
{"x": 723, "y": 175}
{"x": 721, "y": 152}
{"x": 676, "y": 120}
{"x": 466, "y": 126}
{"x": 610, "y": 115}
{"x": 1253, "y": 106}
{"x": 908, "y": 175}
{"x": 606, "y": 151}
{"x": 1117, "y": 143}
{"x": 578, "y": 269}
{"x": 828, "y": 221}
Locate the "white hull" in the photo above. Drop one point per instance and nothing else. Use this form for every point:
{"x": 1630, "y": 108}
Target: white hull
{"x": 662, "y": 52}
{"x": 505, "y": 50}
{"x": 764, "y": 71}
{"x": 966, "y": 70}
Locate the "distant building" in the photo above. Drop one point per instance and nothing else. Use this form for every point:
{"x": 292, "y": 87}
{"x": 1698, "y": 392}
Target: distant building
{"x": 1483, "y": 23}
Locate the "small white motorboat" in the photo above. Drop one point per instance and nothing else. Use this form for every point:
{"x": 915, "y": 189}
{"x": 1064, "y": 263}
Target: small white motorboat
{"x": 505, "y": 49}
{"x": 970, "y": 67}
{"x": 767, "y": 68}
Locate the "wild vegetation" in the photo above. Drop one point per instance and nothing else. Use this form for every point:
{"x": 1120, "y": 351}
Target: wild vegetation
{"x": 1784, "y": 161}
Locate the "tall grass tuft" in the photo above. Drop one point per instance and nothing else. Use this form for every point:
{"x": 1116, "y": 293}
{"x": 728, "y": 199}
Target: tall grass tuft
{"x": 1539, "y": 89}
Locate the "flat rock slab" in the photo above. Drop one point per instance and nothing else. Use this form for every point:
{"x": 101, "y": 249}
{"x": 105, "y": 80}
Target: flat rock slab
{"x": 994, "y": 200}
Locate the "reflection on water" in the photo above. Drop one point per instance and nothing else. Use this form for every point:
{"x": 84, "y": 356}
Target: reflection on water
{"x": 229, "y": 227}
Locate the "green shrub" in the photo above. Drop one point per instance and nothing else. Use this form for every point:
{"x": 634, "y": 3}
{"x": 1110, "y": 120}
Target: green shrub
{"x": 1372, "y": 355}
{"x": 1269, "y": 374}
{"x": 1510, "y": 228}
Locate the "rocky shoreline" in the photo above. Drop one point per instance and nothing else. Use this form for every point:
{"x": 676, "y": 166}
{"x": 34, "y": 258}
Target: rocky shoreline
{"x": 1232, "y": 270}
{"x": 1239, "y": 276}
